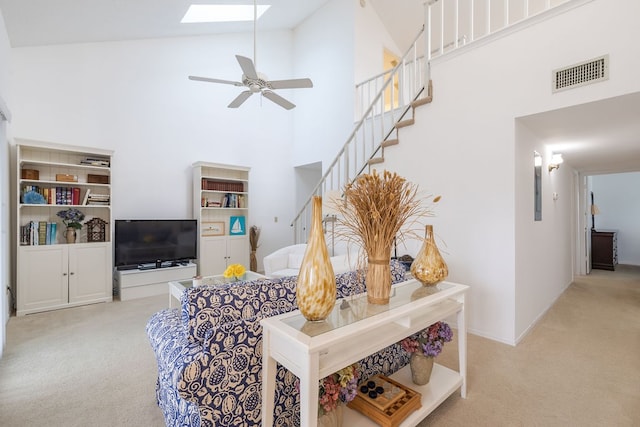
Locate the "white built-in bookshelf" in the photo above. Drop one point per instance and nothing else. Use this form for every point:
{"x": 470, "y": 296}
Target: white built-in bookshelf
{"x": 221, "y": 206}
{"x": 52, "y": 273}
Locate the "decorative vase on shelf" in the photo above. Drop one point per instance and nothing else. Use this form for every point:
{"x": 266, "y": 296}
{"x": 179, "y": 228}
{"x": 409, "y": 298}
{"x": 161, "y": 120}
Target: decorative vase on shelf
{"x": 331, "y": 419}
{"x": 316, "y": 287}
{"x": 70, "y": 235}
{"x": 429, "y": 267}
{"x": 378, "y": 279}
{"x": 421, "y": 367}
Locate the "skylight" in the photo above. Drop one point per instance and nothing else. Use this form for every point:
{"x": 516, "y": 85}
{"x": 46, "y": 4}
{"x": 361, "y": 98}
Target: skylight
{"x": 221, "y": 13}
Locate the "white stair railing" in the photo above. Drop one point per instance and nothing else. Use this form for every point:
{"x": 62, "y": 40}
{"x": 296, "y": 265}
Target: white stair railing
{"x": 454, "y": 23}
{"x": 387, "y": 104}
{"x": 385, "y": 99}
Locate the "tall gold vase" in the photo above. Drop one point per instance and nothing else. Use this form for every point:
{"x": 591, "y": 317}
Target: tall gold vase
{"x": 316, "y": 287}
{"x": 429, "y": 266}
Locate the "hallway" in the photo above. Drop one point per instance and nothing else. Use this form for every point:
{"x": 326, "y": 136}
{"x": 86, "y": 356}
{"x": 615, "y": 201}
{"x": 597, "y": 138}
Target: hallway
{"x": 578, "y": 367}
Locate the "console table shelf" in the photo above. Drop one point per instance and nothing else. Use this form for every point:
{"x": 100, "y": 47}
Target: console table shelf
{"x": 313, "y": 350}
{"x": 444, "y": 382}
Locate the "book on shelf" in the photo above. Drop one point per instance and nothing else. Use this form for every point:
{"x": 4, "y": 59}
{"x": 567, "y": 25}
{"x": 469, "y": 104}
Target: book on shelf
{"x": 86, "y": 196}
{"x": 42, "y": 232}
{"x": 216, "y": 185}
{"x": 95, "y": 161}
{"x": 98, "y": 199}
{"x": 38, "y": 233}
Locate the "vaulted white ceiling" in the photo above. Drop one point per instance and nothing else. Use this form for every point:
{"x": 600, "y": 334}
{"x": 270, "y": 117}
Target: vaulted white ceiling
{"x": 599, "y": 137}
{"x": 43, "y": 22}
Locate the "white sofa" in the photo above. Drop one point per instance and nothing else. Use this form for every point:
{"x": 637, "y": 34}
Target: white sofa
{"x": 286, "y": 261}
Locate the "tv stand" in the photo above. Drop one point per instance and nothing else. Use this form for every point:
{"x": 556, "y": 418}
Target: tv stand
{"x": 147, "y": 280}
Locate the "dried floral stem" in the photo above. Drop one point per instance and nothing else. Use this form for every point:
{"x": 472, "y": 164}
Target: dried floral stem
{"x": 375, "y": 209}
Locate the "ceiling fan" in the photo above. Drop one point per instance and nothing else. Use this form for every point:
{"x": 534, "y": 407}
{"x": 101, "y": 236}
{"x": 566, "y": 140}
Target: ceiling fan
{"x": 257, "y": 82}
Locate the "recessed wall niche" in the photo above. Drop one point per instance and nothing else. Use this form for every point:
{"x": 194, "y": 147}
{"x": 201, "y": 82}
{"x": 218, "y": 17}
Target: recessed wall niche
{"x": 537, "y": 186}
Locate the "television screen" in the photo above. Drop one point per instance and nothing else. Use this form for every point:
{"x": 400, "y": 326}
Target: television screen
{"x": 146, "y": 241}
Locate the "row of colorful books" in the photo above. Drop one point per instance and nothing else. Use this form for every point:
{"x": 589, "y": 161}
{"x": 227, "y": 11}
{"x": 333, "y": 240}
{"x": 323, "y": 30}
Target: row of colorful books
{"x": 51, "y": 196}
{"x": 33, "y": 194}
{"x": 231, "y": 200}
{"x": 38, "y": 233}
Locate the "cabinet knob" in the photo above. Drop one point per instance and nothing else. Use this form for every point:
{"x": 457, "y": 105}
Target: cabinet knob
{"x": 64, "y": 274}
{"x": 72, "y": 273}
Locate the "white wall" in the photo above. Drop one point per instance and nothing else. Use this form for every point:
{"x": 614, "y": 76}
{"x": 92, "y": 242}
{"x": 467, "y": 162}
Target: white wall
{"x": 134, "y": 97}
{"x": 371, "y": 38}
{"x": 5, "y": 253}
{"x": 465, "y": 146}
{"x": 618, "y": 199}
{"x": 324, "y": 51}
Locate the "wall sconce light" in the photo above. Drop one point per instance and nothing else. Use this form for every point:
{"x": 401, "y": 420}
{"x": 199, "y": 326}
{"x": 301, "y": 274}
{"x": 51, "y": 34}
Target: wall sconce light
{"x": 556, "y": 160}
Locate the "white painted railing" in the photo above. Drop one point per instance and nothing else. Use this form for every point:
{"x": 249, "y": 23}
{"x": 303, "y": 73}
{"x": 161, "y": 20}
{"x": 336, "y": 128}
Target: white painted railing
{"x": 454, "y": 23}
{"x": 385, "y": 99}
{"x": 388, "y": 98}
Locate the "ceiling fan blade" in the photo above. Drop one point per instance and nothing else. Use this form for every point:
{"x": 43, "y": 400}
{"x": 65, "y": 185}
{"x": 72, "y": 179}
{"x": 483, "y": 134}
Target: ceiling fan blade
{"x": 278, "y": 99}
{"x": 240, "y": 99}
{"x": 247, "y": 66}
{"x": 291, "y": 83}
{"x": 210, "y": 80}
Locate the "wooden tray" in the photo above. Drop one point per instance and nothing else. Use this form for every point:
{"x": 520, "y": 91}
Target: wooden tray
{"x": 392, "y": 393}
{"x": 395, "y": 410}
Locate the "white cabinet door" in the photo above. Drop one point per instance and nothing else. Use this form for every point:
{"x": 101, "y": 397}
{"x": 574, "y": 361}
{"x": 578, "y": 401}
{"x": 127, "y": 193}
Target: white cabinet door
{"x": 238, "y": 250}
{"x": 89, "y": 268}
{"x": 42, "y": 278}
{"x": 213, "y": 255}
{"x": 217, "y": 253}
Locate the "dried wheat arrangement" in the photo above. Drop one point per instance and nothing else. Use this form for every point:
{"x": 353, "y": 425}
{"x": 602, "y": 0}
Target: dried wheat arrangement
{"x": 375, "y": 210}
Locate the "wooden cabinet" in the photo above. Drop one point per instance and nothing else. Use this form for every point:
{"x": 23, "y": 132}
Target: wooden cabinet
{"x": 604, "y": 249}
{"x": 51, "y": 273}
{"x": 221, "y": 206}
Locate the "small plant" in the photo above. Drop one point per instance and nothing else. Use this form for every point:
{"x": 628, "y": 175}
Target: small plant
{"x": 71, "y": 218}
{"x": 234, "y": 270}
{"x": 428, "y": 342}
{"x": 339, "y": 387}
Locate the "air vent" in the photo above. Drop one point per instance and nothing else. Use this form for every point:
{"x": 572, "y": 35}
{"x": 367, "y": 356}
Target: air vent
{"x": 584, "y": 73}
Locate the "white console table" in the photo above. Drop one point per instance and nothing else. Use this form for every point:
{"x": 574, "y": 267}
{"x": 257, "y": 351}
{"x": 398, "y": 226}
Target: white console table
{"x": 313, "y": 350}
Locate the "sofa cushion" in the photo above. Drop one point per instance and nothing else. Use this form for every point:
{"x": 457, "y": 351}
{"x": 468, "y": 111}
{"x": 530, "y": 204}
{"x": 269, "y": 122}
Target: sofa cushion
{"x": 286, "y": 272}
{"x": 295, "y": 261}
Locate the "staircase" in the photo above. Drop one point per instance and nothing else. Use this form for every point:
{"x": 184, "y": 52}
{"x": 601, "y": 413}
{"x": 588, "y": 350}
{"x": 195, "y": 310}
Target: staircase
{"x": 390, "y": 96}
{"x": 390, "y": 108}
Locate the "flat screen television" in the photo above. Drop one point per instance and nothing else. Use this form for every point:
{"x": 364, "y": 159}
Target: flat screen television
{"x": 154, "y": 243}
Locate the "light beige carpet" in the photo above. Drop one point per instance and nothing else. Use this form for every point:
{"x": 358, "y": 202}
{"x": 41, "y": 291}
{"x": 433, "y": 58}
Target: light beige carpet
{"x": 580, "y": 366}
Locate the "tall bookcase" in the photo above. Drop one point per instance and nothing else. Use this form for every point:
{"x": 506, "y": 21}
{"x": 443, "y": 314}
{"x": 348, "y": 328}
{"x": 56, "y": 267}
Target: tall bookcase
{"x": 221, "y": 206}
{"x": 51, "y": 273}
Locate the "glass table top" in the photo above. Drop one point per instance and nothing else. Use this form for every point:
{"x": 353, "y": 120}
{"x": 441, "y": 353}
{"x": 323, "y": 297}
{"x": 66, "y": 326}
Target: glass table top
{"x": 356, "y": 308}
{"x": 220, "y": 279}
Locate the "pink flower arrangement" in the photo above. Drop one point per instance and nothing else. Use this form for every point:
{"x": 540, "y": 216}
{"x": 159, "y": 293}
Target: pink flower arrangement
{"x": 430, "y": 341}
{"x": 339, "y": 387}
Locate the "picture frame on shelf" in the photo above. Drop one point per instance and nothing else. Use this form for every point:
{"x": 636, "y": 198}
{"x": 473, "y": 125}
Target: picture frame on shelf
{"x": 213, "y": 228}
{"x": 237, "y": 226}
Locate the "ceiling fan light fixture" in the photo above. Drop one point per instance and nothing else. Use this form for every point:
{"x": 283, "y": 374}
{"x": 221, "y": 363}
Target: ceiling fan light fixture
{"x": 201, "y": 13}
{"x": 257, "y": 82}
